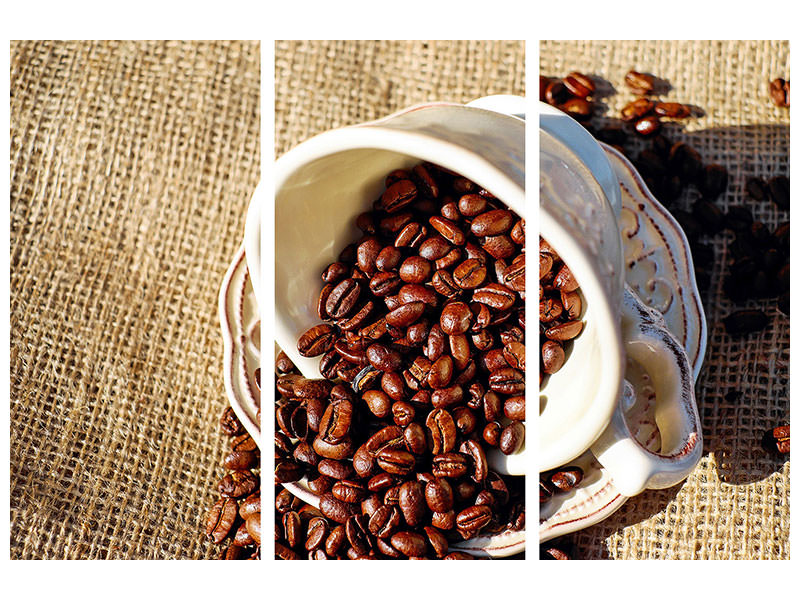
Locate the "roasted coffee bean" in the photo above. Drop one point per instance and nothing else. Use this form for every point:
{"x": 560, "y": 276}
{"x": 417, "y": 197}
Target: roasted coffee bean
{"x": 456, "y": 318}
{"x": 238, "y": 483}
{"x": 686, "y": 162}
{"x": 556, "y": 92}
{"x": 442, "y": 430}
{"x": 403, "y": 316}
{"x": 579, "y": 85}
{"x": 507, "y": 381}
{"x": 640, "y": 83}
{"x": 382, "y": 358}
{"x": 335, "y": 509}
{"x": 673, "y": 110}
{"x": 565, "y": 479}
{"x": 450, "y": 464}
{"x": 472, "y": 519}
{"x": 414, "y": 436}
{"x": 776, "y": 440}
{"x": 412, "y": 503}
{"x": 471, "y": 205}
{"x": 409, "y": 543}
{"x": 399, "y": 195}
{"x": 495, "y": 296}
{"x": 240, "y": 460}
{"x": 746, "y": 321}
{"x": 229, "y": 422}
{"x": 512, "y": 437}
{"x": 635, "y": 110}
{"x": 396, "y": 462}
{"x": 335, "y": 424}
{"x": 447, "y": 397}
{"x": 415, "y": 269}
{"x": 220, "y": 519}
{"x": 349, "y": 491}
{"x": 386, "y": 438}
{"x": 779, "y": 92}
{"x": 480, "y": 468}
{"x": 403, "y": 413}
{"x": 317, "y": 340}
{"x": 514, "y": 408}
{"x": 342, "y": 299}
{"x": 713, "y": 181}
{"x": 469, "y": 274}
{"x": 647, "y": 126}
{"x": 579, "y": 109}
{"x": 779, "y": 191}
{"x": 448, "y": 230}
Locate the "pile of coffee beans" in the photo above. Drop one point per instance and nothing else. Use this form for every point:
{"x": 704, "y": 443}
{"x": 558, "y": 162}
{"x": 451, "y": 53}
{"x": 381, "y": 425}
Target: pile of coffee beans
{"x": 368, "y": 507}
{"x": 560, "y": 305}
{"x": 423, "y": 354}
{"x": 234, "y": 522}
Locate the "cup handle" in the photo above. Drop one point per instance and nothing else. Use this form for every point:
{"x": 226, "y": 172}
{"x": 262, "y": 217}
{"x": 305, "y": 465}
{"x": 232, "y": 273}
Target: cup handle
{"x": 633, "y": 467}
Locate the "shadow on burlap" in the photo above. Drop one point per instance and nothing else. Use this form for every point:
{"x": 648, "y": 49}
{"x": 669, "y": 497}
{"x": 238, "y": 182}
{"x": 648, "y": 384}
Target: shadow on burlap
{"x": 131, "y": 168}
{"x": 736, "y": 503}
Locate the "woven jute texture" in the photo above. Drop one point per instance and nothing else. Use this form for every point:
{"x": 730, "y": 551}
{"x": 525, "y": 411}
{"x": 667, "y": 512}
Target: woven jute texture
{"x": 132, "y": 164}
{"x": 320, "y": 85}
{"x": 736, "y": 503}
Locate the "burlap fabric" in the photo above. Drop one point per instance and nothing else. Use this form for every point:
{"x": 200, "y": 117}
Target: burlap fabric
{"x": 131, "y": 168}
{"x": 322, "y": 85}
{"x": 736, "y": 504}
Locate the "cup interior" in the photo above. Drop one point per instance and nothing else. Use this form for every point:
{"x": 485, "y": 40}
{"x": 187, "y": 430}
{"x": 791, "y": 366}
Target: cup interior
{"x": 316, "y": 205}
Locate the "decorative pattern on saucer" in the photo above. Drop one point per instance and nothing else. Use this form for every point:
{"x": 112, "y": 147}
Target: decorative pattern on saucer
{"x": 658, "y": 267}
{"x": 241, "y": 334}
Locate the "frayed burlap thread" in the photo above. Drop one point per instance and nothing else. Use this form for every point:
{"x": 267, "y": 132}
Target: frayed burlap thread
{"x": 736, "y": 503}
{"x": 132, "y": 164}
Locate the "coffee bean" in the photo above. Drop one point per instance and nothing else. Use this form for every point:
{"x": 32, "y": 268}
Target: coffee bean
{"x": 673, "y": 110}
{"x": 472, "y": 519}
{"x": 450, "y": 464}
{"x": 556, "y": 92}
{"x": 647, "y": 126}
{"x": 442, "y": 430}
{"x": 399, "y": 195}
{"x": 640, "y": 83}
{"x": 511, "y": 437}
{"x": 317, "y": 340}
{"x": 396, "y": 462}
{"x": 579, "y": 84}
{"x": 776, "y": 440}
{"x": 713, "y": 181}
{"x": 220, "y": 519}
{"x": 238, "y": 483}
{"x": 566, "y": 479}
{"x": 746, "y": 321}
{"x": 335, "y": 509}
{"x": 409, "y": 543}
{"x": 579, "y": 109}
{"x": 635, "y": 110}
{"x": 779, "y": 92}
{"x": 779, "y": 191}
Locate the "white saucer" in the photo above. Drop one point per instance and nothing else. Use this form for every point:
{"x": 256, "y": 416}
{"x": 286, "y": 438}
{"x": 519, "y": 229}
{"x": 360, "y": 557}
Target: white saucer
{"x": 659, "y": 268}
{"x": 241, "y": 333}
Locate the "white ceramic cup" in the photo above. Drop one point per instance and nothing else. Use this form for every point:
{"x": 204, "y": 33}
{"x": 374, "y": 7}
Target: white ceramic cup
{"x": 583, "y": 405}
{"x": 322, "y": 184}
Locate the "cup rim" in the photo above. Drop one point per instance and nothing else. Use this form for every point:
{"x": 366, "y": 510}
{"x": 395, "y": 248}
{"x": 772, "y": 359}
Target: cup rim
{"x": 377, "y": 135}
{"x": 382, "y": 136}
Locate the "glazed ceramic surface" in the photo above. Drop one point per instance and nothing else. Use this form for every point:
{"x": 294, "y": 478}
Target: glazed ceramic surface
{"x": 658, "y": 267}
{"x": 241, "y": 333}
